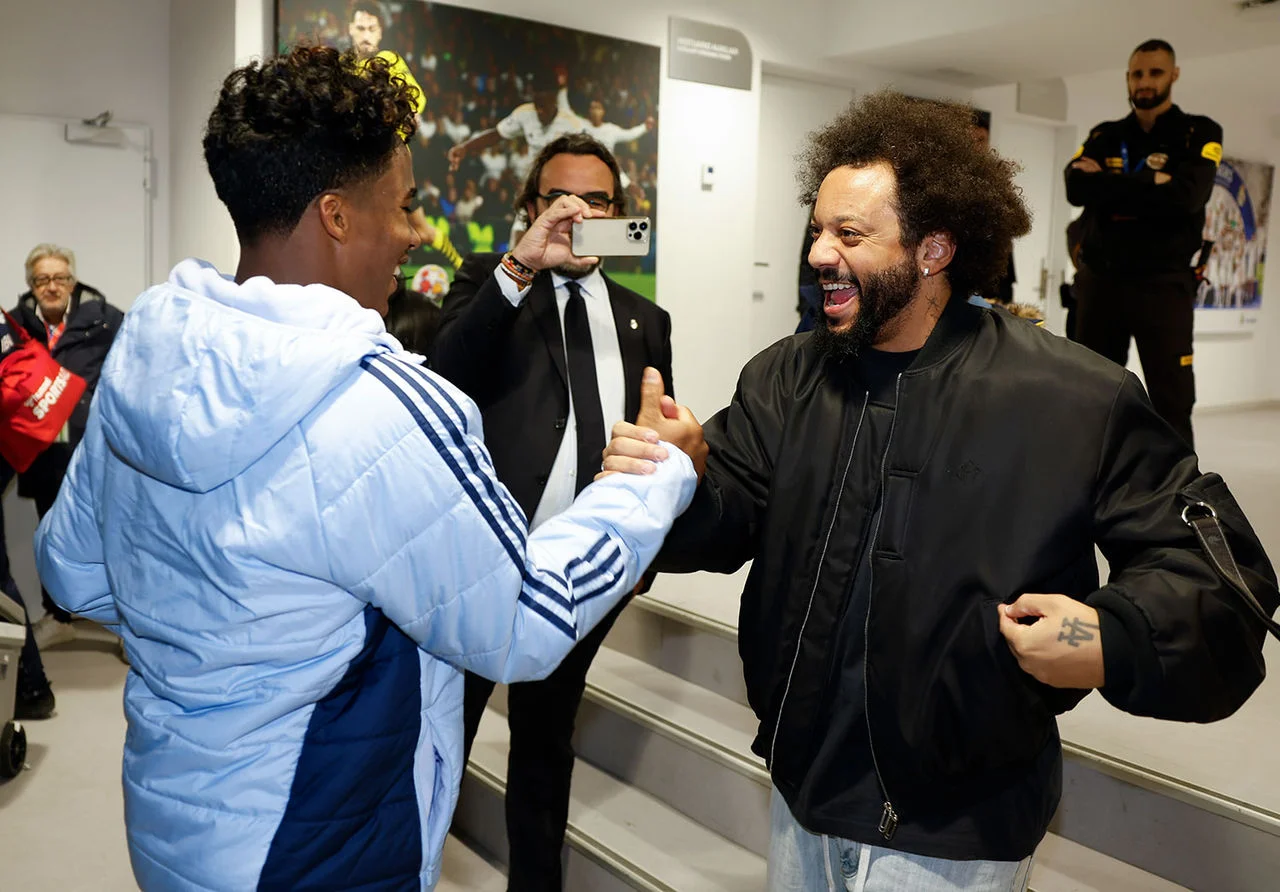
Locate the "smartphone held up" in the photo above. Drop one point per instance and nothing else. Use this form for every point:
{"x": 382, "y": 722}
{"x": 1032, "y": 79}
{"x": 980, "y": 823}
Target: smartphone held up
{"x": 611, "y": 237}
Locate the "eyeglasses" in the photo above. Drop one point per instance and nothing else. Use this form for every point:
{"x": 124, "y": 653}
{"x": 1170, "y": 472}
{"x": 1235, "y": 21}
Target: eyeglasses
{"x": 61, "y": 279}
{"x": 597, "y": 201}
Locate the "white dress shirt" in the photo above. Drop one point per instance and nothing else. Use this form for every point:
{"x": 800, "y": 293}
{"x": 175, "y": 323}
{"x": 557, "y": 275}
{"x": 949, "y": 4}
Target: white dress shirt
{"x": 562, "y": 482}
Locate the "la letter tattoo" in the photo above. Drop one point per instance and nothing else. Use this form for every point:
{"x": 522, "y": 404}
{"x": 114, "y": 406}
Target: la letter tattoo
{"x": 1076, "y": 630}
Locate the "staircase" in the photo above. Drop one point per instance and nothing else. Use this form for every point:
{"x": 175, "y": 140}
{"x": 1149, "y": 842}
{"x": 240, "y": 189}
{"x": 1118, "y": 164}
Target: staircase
{"x": 667, "y": 796}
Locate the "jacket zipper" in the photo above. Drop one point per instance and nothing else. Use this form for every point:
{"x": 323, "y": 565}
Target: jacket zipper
{"x": 888, "y": 816}
{"x": 835, "y": 514}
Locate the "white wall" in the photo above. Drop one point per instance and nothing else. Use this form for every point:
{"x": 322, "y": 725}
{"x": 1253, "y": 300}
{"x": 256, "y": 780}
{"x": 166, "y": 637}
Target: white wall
{"x": 877, "y": 25}
{"x": 68, "y": 58}
{"x": 204, "y": 34}
{"x": 1231, "y": 369}
{"x": 211, "y": 38}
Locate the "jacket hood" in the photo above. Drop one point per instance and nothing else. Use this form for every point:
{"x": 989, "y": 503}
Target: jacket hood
{"x": 206, "y": 375}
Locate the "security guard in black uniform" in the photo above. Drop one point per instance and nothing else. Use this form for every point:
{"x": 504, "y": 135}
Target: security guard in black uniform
{"x": 1143, "y": 182}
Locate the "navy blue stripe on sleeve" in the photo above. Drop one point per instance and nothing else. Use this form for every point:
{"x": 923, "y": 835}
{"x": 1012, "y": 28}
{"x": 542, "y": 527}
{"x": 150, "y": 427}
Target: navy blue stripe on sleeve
{"x": 589, "y": 557}
{"x": 434, "y": 383}
{"x": 511, "y": 512}
{"x": 542, "y": 594}
{"x": 595, "y": 573}
{"x": 611, "y": 565}
{"x": 582, "y": 595}
{"x": 546, "y": 614}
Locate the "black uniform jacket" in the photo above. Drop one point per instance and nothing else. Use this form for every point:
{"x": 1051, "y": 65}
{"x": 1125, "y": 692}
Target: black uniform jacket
{"x": 1134, "y": 226}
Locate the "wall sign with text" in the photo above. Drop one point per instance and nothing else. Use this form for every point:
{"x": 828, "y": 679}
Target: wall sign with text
{"x": 708, "y": 54}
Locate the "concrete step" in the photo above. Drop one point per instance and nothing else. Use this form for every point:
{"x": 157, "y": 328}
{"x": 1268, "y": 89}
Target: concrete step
{"x": 668, "y": 633}
{"x": 678, "y": 742}
{"x": 465, "y": 870}
{"x": 618, "y": 838}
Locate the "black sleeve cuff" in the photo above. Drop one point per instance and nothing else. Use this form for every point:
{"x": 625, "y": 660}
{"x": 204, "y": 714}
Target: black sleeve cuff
{"x": 1130, "y": 663}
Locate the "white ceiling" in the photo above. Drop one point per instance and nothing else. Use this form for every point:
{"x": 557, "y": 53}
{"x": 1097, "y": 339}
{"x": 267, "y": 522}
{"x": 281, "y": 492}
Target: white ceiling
{"x": 1002, "y": 41}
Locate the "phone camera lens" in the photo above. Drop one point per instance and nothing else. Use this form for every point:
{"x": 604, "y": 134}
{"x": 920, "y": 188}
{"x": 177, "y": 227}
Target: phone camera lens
{"x": 644, "y": 224}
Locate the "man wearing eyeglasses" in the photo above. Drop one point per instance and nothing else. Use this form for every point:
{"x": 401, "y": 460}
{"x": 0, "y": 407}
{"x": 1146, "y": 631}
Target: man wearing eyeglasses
{"x": 553, "y": 356}
{"x": 78, "y": 326}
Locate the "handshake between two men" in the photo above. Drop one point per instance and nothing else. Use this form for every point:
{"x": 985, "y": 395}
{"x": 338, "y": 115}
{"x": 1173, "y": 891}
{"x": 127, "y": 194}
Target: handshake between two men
{"x": 634, "y": 448}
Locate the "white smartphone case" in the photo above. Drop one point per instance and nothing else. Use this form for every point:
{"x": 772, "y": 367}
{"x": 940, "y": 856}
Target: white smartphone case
{"x": 612, "y": 237}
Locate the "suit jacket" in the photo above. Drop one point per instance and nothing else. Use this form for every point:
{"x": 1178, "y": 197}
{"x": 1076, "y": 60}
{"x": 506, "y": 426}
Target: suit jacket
{"x": 511, "y": 361}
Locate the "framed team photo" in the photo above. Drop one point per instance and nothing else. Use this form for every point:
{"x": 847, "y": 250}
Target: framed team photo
{"x": 1236, "y": 221}
{"x": 495, "y": 89}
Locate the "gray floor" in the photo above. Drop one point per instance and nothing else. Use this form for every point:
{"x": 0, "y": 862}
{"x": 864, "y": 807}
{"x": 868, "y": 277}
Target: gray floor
{"x": 61, "y": 825}
{"x": 62, "y": 822}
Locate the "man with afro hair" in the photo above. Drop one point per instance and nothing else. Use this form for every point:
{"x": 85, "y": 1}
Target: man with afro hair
{"x": 905, "y": 664}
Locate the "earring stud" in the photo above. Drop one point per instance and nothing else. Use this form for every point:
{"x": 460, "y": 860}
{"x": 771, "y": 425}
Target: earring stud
{"x": 926, "y": 271}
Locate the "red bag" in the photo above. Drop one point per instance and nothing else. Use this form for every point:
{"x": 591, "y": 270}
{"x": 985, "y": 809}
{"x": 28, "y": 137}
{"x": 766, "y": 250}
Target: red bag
{"x": 37, "y": 396}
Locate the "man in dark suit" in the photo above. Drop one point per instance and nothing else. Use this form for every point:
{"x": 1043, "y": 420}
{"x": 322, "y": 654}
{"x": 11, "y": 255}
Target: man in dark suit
{"x": 552, "y": 356}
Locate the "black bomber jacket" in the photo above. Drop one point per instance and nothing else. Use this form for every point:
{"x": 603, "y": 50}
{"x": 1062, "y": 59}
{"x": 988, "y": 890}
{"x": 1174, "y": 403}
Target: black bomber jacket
{"x": 999, "y": 425}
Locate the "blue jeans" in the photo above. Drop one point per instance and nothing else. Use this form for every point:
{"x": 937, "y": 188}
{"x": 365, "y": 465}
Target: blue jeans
{"x": 800, "y": 861}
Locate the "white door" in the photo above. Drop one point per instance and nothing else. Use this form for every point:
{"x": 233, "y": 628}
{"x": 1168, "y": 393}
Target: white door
{"x": 789, "y": 110}
{"x": 91, "y": 198}
{"x": 1033, "y": 147}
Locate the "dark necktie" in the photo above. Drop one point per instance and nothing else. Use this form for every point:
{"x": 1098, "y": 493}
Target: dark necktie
{"x": 583, "y": 388}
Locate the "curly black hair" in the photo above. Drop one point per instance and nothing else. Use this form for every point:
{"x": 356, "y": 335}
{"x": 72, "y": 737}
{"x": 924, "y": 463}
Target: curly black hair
{"x": 946, "y": 181}
{"x": 290, "y": 128}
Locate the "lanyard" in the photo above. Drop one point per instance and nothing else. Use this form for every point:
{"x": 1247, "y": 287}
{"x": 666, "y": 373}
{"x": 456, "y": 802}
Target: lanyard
{"x": 1124, "y": 159}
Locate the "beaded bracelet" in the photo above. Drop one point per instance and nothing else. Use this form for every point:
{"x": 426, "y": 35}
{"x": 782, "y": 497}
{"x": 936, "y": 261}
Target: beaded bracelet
{"x": 527, "y": 271}
{"x": 519, "y": 273}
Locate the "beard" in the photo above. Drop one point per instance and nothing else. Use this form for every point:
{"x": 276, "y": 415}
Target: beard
{"x": 882, "y": 297}
{"x": 577, "y": 270}
{"x": 1153, "y": 101}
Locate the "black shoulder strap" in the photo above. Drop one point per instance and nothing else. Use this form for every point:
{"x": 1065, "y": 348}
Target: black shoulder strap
{"x": 1201, "y": 517}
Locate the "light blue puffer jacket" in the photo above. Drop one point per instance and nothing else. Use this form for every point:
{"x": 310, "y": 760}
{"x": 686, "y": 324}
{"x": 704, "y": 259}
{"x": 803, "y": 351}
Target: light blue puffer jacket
{"x": 298, "y": 533}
